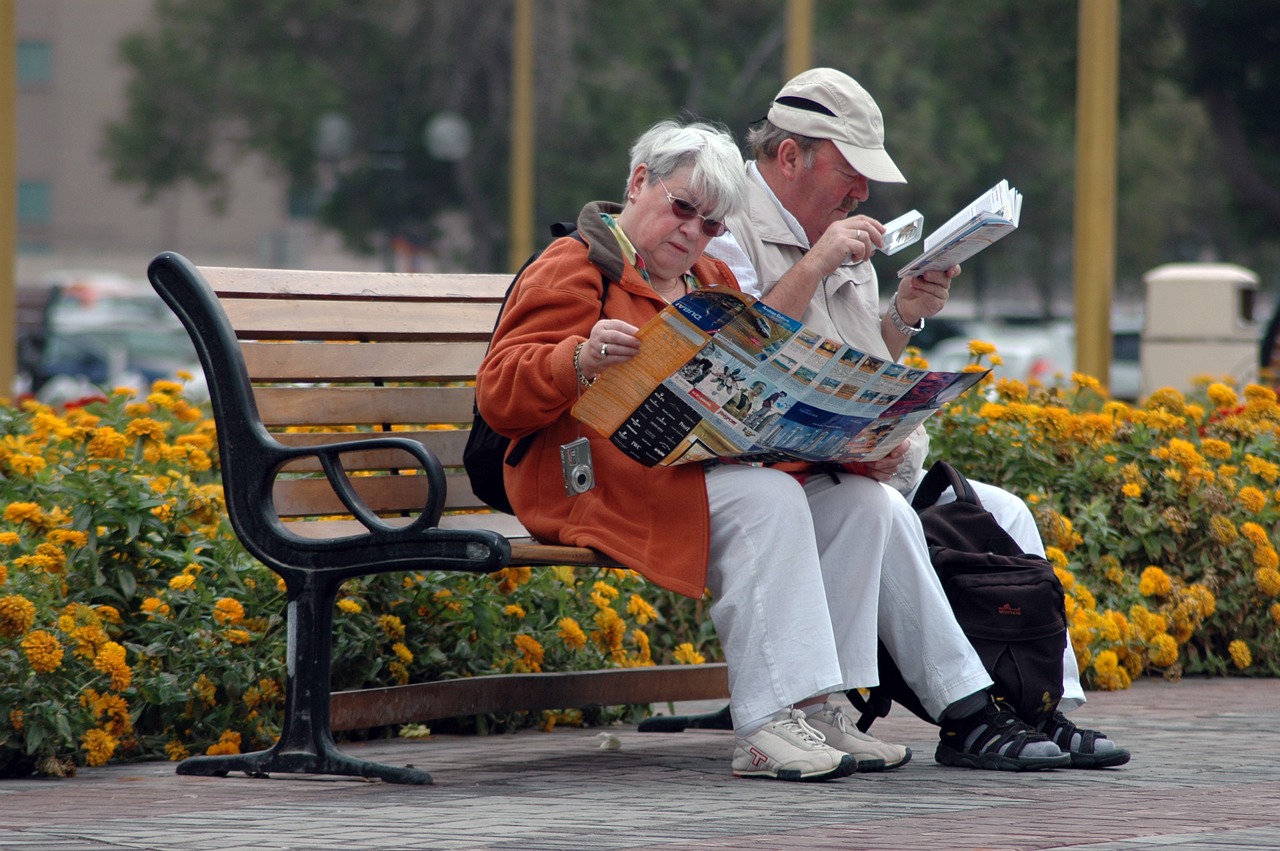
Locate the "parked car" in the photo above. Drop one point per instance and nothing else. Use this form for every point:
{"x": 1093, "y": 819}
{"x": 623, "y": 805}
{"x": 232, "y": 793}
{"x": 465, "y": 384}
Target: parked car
{"x": 1045, "y": 353}
{"x": 99, "y": 331}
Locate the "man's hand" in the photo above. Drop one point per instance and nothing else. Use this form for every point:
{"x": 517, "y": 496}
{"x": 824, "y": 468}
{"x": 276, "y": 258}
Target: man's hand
{"x": 924, "y": 296}
{"x": 855, "y": 237}
{"x": 881, "y": 470}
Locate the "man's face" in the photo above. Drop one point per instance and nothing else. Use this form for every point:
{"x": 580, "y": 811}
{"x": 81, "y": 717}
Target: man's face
{"x": 826, "y": 192}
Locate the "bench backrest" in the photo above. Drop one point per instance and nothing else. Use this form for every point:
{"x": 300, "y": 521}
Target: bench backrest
{"x": 339, "y": 356}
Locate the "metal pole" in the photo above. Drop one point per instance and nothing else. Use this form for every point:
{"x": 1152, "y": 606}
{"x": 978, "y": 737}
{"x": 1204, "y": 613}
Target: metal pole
{"x": 1095, "y": 208}
{"x": 522, "y": 136}
{"x": 799, "y": 49}
{"x": 9, "y": 194}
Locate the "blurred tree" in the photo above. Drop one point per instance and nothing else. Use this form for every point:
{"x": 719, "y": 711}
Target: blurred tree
{"x": 1233, "y": 66}
{"x": 971, "y": 93}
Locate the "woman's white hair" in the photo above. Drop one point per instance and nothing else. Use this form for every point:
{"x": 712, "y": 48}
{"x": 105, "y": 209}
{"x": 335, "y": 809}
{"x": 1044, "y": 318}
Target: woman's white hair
{"x": 717, "y": 172}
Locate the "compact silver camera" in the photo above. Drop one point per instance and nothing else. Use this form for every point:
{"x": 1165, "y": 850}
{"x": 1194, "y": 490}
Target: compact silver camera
{"x": 575, "y": 463}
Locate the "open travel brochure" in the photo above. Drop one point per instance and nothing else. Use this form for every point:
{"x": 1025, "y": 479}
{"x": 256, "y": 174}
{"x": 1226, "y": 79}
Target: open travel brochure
{"x": 990, "y": 217}
{"x": 721, "y": 375}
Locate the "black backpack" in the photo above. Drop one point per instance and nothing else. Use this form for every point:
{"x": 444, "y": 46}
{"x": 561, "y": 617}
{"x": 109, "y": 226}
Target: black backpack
{"x": 1010, "y": 605}
{"x": 486, "y": 450}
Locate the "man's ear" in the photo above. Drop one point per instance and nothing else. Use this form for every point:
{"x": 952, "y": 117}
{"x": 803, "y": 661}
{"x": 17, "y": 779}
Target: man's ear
{"x": 790, "y": 158}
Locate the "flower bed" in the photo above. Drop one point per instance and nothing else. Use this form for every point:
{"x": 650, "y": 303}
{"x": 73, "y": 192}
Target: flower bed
{"x": 1161, "y": 520}
{"x": 133, "y": 625}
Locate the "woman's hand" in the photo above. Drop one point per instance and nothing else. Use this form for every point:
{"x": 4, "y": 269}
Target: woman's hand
{"x": 882, "y": 469}
{"x": 610, "y": 342}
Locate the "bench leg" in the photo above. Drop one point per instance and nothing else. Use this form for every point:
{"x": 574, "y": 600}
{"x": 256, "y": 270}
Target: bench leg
{"x": 718, "y": 720}
{"x": 306, "y": 744}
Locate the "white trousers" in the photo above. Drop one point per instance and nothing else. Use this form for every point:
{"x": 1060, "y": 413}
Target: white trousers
{"x": 1016, "y": 518}
{"x": 803, "y": 581}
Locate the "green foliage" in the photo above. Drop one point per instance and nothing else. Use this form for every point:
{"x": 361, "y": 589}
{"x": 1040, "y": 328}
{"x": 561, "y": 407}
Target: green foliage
{"x": 970, "y": 93}
{"x": 1161, "y": 519}
{"x": 134, "y": 626}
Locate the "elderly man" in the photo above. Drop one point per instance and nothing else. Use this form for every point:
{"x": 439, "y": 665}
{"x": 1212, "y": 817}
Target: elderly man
{"x": 799, "y": 247}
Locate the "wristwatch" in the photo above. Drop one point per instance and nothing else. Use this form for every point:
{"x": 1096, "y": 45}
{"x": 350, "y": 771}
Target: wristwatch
{"x": 896, "y": 318}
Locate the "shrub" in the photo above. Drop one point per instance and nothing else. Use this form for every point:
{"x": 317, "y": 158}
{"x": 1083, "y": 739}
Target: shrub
{"x": 1160, "y": 519}
{"x": 133, "y": 624}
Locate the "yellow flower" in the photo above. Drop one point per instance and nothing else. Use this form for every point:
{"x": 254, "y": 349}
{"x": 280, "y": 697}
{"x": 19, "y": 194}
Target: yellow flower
{"x": 513, "y": 610}
{"x": 1217, "y": 449}
{"x": 1154, "y": 582}
{"x": 1131, "y": 490}
{"x": 1240, "y": 654}
{"x": 228, "y": 611}
{"x": 175, "y": 751}
{"x": 239, "y": 636}
{"x": 111, "y": 660}
{"x": 979, "y": 348}
{"x": 511, "y": 578}
{"x": 43, "y": 650}
{"x": 611, "y": 630}
{"x": 98, "y": 745}
{"x": 1275, "y": 613}
{"x": 392, "y": 626}
{"x": 1268, "y": 579}
{"x": 27, "y": 465}
{"x": 23, "y": 512}
{"x": 155, "y": 606}
{"x": 107, "y": 443}
{"x": 228, "y": 743}
{"x": 146, "y": 427}
{"x": 1222, "y": 396}
{"x": 571, "y": 634}
{"x": 1251, "y": 499}
{"x": 686, "y": 655}
{"x": 1265, "y": 558}
{"x": 17, "y": 615}
{"x": 1222, "y": 530}
{"x": 1086, "y": 382}
{"x": 205, "y": 690}
{"x": 182, "y": 582}
{"x": 531, "y": 653}
{"x": 16, "y": 718}
{"x": 1263, "y": 469}
{"x": 349, "y": 606}
{"x": 1254, "y": 534}
{"x": 641, "y": 610}
{"x": 1184, "y": 454}
{"x": 403, "y": 653}
{"x": 1162, "y": 650}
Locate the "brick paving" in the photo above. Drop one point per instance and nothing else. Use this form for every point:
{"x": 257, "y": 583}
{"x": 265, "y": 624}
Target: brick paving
{"x": 1205, "y": 775}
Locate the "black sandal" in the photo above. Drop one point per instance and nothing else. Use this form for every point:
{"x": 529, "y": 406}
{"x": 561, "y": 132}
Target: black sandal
{"x": 998, "y": 742}
{"x": 1062, "y": 733}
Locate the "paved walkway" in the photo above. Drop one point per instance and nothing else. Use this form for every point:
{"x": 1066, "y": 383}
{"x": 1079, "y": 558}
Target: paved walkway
{"x": 1205, "y": 775}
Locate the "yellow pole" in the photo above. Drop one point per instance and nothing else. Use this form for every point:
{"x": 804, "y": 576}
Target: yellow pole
{"x": 799, "y": 48}
{"x": 8, "y": 197}
{"x": 1095, "y": 208}
{"x": 522, "y": 136}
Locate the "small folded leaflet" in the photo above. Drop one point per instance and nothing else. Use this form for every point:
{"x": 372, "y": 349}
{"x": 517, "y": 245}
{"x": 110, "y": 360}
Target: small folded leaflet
{"x": 989, "y": 218}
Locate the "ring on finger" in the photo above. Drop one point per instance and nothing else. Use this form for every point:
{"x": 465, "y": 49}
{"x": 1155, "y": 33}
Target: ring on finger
{"x": 604, "y": 350}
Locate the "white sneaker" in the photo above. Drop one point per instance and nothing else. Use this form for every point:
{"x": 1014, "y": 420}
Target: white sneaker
{"x": 840, "y": 732}
{"x": 789, "y": 749}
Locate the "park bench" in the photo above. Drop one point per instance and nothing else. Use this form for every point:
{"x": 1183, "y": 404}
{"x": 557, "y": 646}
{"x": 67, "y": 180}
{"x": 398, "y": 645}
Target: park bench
{"x": 294, "y": 360}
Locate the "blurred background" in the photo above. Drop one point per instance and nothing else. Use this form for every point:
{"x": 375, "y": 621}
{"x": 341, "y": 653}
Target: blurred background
{"x": 376, "y": 134}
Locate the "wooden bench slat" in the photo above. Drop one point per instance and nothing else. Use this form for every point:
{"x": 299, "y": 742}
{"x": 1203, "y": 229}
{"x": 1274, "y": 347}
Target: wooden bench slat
{"x": 406, "y": 286}
{"x": 445, "y": 445}
{"x": 353, "y": 710}
{"x": 331, "y": 406}
{"x": 328, "y": 362}
{"x": 292, "y": 319}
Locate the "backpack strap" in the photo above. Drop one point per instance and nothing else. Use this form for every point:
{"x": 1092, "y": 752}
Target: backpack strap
{"x": 558, "y": 230}
{"x": 940, "y": 477}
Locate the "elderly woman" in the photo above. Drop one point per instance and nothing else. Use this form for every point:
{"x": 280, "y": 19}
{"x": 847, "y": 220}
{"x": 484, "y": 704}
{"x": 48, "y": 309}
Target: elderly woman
{"x": 788, "y": 618}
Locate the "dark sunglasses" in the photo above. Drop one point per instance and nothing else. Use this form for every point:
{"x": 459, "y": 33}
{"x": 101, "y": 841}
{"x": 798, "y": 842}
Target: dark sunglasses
{"x": 685, "y": 211}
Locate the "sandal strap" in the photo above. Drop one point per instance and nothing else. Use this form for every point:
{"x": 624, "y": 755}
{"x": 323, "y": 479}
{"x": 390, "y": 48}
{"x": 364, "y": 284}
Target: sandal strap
{"x": 1062, "y": 730}
{"x": 998, "y": 728}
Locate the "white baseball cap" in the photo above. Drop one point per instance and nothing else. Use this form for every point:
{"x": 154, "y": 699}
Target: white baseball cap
{"x": 823, "y": 103}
